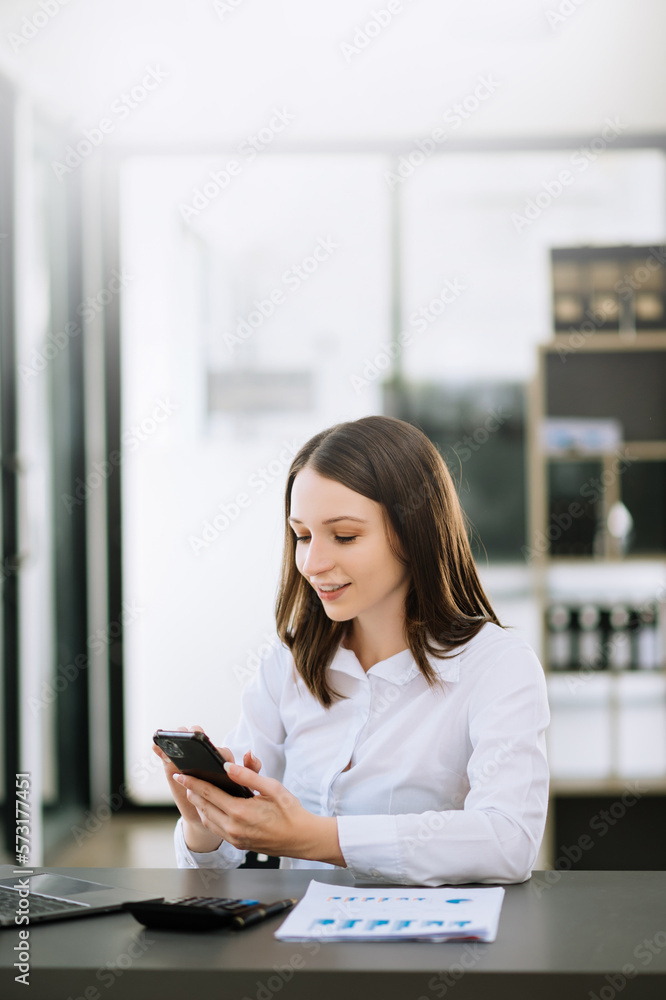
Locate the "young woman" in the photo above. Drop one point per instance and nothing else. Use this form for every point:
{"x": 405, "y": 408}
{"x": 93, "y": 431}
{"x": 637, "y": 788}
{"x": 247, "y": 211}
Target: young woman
{"x": 397, "y": 730}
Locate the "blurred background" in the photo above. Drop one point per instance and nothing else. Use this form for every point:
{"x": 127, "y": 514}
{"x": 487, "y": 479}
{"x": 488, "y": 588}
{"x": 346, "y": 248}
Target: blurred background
{"x": 227, "y": 225}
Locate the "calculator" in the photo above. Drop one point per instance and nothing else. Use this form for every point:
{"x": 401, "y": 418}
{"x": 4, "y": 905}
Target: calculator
{"x": 200, "y": 913}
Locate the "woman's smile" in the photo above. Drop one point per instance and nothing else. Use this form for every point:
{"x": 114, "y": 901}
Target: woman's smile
{"x": 331, "y": 593}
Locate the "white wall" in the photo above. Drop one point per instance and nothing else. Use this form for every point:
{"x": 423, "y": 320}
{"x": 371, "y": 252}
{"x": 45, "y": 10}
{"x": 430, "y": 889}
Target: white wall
{"x": 205, "y": 595}
{"x": 228, "y": 64}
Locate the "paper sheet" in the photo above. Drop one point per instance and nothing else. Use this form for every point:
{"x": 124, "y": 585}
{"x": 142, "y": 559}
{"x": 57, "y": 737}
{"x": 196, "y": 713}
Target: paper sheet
{"x": 340, "y": 913}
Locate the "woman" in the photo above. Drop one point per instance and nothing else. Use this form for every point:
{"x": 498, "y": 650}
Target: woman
{"x": 398, "y": 729}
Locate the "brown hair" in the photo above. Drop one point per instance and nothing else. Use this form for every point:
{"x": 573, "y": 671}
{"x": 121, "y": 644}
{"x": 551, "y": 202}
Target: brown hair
{"x": 395, "y": 464}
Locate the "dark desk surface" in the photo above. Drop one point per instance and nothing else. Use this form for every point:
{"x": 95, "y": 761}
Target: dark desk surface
{"x": 564, "y": 934}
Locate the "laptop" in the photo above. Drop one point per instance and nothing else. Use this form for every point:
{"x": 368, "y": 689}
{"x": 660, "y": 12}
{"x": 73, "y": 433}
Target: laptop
{"x": 60, "y": 897}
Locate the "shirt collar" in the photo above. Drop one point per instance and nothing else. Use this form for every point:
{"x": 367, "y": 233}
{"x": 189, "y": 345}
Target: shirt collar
{"x": 399, "y": 668}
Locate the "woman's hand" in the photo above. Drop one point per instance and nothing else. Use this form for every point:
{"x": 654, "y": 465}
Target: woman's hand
{"x": 197, "y": 837}
{"x": 272, "y": 822}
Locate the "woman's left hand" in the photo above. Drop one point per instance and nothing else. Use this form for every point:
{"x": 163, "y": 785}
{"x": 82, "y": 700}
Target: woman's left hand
{"x": 272, "y": 822}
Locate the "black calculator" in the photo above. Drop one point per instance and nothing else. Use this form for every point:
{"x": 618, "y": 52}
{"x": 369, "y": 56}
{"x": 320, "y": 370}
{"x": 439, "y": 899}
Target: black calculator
{"x": 201, "y": 913}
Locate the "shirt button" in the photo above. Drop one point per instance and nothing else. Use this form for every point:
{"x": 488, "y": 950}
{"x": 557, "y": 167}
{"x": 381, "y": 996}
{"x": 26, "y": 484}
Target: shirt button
{"x": 375, "y": 873}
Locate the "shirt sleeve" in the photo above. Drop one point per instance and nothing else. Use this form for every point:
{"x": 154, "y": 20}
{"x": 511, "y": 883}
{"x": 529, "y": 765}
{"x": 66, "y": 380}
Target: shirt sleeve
{"x": 226, "y": 856}
{"x": 495, "y": 833}
{"x": 259, "y": 729}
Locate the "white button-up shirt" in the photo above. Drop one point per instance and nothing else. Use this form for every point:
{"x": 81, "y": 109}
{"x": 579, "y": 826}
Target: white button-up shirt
{"x": 446, "y": 784}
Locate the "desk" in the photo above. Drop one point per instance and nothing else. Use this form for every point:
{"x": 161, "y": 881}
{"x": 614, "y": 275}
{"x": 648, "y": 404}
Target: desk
{"x": 561, "y": 934}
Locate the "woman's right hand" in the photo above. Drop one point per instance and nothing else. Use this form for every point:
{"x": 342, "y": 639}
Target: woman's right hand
{"x": 197, "y": 837}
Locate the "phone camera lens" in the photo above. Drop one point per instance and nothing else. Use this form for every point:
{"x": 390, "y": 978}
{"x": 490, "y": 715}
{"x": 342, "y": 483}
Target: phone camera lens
{"x": 171, "y": 749}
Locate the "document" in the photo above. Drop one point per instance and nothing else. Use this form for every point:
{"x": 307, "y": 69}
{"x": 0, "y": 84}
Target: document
{"x": 340, "y": 913}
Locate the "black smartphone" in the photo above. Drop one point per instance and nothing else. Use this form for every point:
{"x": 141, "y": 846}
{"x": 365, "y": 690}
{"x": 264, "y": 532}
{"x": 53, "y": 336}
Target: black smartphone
{"x": 193, "y": 753}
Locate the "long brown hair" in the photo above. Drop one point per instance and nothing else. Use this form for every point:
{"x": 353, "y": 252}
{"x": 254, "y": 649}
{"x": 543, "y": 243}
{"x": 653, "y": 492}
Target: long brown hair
{"x": 395, "y": 464}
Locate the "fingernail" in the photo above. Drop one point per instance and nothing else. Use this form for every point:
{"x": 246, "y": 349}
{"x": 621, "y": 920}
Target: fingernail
{"x": 180, "y": 778}
{"x": 228, "y": 765}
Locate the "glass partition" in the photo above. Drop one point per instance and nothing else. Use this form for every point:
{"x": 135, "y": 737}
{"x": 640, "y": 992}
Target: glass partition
{"x": 259, "y": 308}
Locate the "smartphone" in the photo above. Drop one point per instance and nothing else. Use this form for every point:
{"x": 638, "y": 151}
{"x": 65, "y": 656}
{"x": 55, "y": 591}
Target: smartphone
{"x": 193, "y": 753}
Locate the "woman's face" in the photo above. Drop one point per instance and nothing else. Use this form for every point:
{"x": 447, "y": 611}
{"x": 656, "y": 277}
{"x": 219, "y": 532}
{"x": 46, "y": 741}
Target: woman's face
{"x": 342, "y": 540}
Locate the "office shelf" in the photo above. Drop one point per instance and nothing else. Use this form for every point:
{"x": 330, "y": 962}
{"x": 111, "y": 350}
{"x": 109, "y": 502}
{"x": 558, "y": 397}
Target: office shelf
{"x": 591, "y": 671}
{"x": 606, "y": 369}
{"x": 607, "y": 786}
